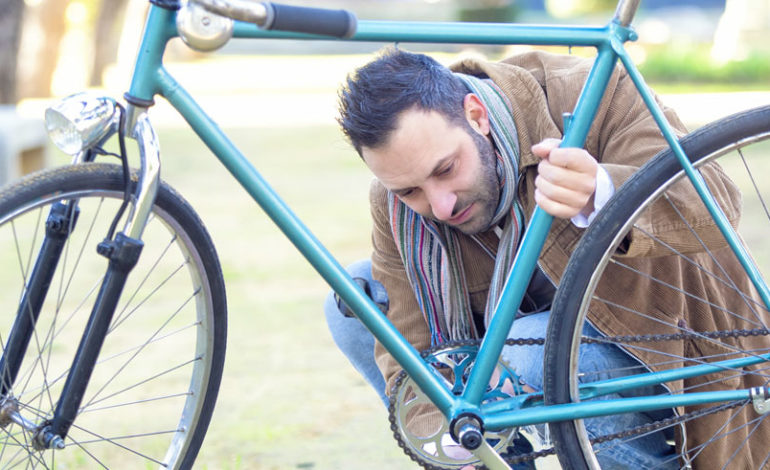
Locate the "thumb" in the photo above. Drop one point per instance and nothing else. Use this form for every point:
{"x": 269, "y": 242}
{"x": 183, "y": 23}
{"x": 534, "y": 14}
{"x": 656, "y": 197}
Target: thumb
{"x": 545, "y": 147}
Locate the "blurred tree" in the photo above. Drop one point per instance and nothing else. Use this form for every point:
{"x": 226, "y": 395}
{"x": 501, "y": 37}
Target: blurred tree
{"x": 498, "y": 11}
{"x": 744, "y": 27}
{"x": 43, "y": 28}
{"x": 11, "y": 14}
{"x": 566, "y": 8}
{"x": 107, "y": 31}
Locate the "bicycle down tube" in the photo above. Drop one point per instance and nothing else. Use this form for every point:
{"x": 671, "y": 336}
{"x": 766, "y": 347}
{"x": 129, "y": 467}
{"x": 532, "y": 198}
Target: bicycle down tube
{"x": 150, "y": 78}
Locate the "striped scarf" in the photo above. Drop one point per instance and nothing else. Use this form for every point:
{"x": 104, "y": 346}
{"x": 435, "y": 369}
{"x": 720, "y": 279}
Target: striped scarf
{"x": 431, "y": 252}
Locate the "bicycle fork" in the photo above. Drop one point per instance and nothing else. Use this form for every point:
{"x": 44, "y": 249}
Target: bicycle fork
{"x": 122, "y": 252}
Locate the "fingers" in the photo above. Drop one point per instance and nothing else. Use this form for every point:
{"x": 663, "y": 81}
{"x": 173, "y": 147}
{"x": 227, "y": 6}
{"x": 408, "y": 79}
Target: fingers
{"x": 564, "y": 206}
{"x": 545, "y": 147}
{"x": 566, "y": 179}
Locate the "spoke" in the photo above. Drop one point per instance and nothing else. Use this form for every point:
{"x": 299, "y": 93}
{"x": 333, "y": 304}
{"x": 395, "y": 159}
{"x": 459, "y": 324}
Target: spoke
{"x": 700, "y": 335}
{"x": 698, "y": 267}
{"x": 50, "y": 341}
{"x": 119, "y": 318}
{"x": 765, "y": 462}
{"x": 125, "y": 316}
{"x": 93, "y": 401}
{"x": 113, "y": 441}
{"x": 738, "y": 373}
{"x": 33, "y": 242}
{"x": 753, "y": 182}
{"x": 38, "y": 413}
{"x": 43, "y": 368}
{"x": 64, "y": 288}
{"x": 137, "y": 402}
{"x": 745, "y": 440}
{"x": 22, "y": 269}
{"x": 25, "y": 450}
{"x": 117, "y": 355}
{"x": 139, "y": 350}
{"x": 700, "y": 447}
{"x": 716, "y": 262}
{"x": 685, "y": 293}
{"x": 81, "y": 447}
{"x": 675, "y": 362}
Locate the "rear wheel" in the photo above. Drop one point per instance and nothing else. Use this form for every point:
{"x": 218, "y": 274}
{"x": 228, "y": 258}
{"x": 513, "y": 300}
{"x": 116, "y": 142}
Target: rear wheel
{"x": 152, "y": 391}
{"x": 689, "y": 290}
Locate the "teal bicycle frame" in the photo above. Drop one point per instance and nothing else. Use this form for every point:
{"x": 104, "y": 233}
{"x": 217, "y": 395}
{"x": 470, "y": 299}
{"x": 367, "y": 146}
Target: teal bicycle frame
{"x": 151, "y": 78}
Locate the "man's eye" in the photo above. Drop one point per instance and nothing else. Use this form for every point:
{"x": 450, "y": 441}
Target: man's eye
{"x": 446, "y": 170}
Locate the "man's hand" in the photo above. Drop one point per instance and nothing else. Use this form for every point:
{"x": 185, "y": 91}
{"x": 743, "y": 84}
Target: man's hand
{"x": 566, "y": 179}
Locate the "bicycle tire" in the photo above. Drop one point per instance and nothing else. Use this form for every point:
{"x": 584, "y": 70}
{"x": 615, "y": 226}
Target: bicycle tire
{"x": 153, "y": 389}
{"x": 580, "y": 298}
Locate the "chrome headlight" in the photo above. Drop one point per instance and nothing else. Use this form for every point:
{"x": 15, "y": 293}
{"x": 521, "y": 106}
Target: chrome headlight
{"x": 79, "y": 121}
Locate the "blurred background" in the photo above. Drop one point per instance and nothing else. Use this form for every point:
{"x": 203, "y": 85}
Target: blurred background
{"x": 289, "y": 399}
{"x": 52, "y": 46}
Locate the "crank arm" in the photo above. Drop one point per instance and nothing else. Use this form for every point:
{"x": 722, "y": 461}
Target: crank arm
{"x": 491, "y": 459}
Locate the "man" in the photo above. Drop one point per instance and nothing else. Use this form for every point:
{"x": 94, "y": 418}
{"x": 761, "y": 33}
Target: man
{"x": 460, "y": 161}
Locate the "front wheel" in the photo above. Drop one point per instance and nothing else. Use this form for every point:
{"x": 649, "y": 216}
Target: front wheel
{"x": 152, "y": 391}
{"x": 653, "y": 267}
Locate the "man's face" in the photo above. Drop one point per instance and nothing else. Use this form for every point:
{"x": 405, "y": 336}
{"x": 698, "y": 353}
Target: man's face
{"x": 439, "y": 169}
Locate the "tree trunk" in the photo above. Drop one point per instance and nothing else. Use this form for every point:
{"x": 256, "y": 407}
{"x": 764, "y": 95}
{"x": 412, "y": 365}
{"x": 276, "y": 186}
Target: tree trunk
{"x": 109, "y": 24}
{"x": 11, "y": 13}
{"x": 44, "y": 27}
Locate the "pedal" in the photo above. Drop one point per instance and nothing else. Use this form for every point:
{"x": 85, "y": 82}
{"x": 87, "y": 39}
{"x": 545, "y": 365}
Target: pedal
{"x": 760, "y": 398}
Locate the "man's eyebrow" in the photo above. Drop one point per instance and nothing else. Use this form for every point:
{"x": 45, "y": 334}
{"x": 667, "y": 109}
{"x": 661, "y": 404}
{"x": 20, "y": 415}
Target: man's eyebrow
{"x": 436, "y": 169}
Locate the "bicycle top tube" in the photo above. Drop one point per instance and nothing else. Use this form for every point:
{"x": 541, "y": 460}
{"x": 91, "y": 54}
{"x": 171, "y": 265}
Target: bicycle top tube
{"x": 163, "y": 24}
{"x": 340, "y": 23}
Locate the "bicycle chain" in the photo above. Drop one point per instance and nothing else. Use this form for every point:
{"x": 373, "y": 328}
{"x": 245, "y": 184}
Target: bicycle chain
{"x": 647, "y": 428}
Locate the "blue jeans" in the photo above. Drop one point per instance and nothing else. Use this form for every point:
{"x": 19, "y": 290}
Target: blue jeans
{"x": 647, "y": 452}
{"x": 352, "y": 337}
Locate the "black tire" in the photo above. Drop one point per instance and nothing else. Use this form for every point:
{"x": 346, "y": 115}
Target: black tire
{"x": 153, "y": 389}
{"x": 740, "y": 142}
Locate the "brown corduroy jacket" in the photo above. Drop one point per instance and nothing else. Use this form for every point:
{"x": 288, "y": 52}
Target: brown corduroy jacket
{"x": 541, "y": 87}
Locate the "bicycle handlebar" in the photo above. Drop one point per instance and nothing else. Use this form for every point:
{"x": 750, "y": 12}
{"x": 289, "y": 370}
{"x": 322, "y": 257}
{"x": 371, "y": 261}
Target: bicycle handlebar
{"x": 268, "y": 15}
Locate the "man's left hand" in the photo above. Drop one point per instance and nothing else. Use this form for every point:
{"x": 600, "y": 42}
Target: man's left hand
{"x": 566, "y": 179}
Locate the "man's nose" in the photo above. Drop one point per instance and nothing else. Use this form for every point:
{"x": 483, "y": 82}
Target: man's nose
{"x": 442, "y": 203}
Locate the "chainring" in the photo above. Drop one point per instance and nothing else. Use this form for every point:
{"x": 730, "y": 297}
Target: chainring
{"x": 420, "y": 428}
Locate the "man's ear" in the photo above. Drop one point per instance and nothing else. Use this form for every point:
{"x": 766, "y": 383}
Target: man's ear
{"x": 476, "y": 114}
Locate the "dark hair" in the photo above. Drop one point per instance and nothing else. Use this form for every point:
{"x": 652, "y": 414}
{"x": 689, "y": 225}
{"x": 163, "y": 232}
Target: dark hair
{"x": 375, "y": 95}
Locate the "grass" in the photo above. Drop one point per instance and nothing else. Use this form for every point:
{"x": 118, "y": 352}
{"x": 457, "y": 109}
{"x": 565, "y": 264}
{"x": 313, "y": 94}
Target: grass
{"x": 662, "y": 87}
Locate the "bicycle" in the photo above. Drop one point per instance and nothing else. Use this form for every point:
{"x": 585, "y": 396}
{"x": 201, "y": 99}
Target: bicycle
{"x": 60, "y": 399}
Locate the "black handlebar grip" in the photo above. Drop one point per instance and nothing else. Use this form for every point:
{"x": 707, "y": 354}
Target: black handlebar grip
{"x": 337, "y": 23}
